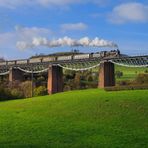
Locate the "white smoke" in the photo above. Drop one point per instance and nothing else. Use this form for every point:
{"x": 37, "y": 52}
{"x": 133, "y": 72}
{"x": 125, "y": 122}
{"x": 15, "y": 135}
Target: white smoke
{"x": 39, "y": 42}
{"x": 23, "y": 45}
{"x": 65, "y": 41}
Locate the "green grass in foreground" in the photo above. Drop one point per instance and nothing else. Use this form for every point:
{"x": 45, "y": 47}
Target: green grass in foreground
{"x": 89, "y": 118}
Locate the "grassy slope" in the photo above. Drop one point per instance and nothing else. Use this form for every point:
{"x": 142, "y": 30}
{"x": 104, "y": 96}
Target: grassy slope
{"x": 129, "y": 73}
{"x": 90, "y": 118}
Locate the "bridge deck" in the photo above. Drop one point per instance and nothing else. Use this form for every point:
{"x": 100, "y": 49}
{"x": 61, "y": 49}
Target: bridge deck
{"x": 71, "y": 62}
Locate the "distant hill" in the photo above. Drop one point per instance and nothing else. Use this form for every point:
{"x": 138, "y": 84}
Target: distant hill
{"x": 58, "y": 54}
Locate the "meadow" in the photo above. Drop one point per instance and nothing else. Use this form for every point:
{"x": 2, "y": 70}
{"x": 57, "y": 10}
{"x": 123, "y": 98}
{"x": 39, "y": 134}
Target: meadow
{"x": 129, "y": 73}
{"x": 90, "y": 118}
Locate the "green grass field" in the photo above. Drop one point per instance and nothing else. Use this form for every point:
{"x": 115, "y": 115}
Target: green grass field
{"x": 129, "y": 73}
{"x": 90, "y": 118}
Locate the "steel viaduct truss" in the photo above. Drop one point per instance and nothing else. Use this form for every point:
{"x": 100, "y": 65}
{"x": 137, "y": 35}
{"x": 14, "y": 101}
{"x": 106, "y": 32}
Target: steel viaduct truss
{"x": 54, "y": 69}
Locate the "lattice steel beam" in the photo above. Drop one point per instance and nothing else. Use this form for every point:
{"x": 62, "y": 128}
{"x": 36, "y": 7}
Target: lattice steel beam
{"x": 131, "y": 61}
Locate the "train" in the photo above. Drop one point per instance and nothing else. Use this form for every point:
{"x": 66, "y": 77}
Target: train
{"x": 42, "y": 59}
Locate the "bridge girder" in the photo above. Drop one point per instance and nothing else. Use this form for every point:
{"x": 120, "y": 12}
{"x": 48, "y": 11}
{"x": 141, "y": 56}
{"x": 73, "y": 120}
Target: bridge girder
{"x": 131, "y": 61}
{"x": 77, "y": 65}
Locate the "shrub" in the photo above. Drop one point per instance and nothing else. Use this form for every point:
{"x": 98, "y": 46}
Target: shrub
{"x": 118, "y": 74}
{"x": 90, "y": 78}
{"x": 67, "y": 88}
{"x": 16, "y": 94}
{"x": 40, "y": 81}
{"x": 26, "y": 88}
{"x": 77, "y": 80}
{"x": 131, "y": 87}
{"x": 40, "y": 91}
{"x": 124, "y": 82}
{"x": 9, "y": 94}
{"x": 4, "y": 94}
{"x": 142, "y": 79}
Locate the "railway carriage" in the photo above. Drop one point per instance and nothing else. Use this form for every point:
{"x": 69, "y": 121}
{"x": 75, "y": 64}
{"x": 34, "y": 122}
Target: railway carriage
{"x": 48, "y": 59}
{"x": 81, "y": 56}
{"x": 96, "y": 55}
{"x": 11, "y": 62}
{"x": 3, "y": 63}
{"x": 35, "y": 60}
{"x": 64, "y": 58}
{"x": 22, "y": 62}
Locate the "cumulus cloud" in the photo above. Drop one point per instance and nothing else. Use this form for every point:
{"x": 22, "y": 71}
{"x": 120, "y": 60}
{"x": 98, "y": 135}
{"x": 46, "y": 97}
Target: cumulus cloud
{"x": 9, "y": 39}
{"x": 57, "y": 2}
{"x": 73, "y": 26}
{"x": 29, "y": 32}
{"x": 13, "y": 3}
{"x": 129, "y": 12}
{"x": 65, "y": 41}
{"x": 16, "y": 3}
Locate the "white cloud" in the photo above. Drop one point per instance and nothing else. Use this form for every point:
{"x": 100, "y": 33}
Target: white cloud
{"x": 8, "y": 39}
{"x": 57, "y": 2}
{"x": 28, "y": 33}
{"x": 13, "y": 3}
{"x": 73, "y": 26}
{"x": 129, "y": 12}
{"x": 16, "y": 3}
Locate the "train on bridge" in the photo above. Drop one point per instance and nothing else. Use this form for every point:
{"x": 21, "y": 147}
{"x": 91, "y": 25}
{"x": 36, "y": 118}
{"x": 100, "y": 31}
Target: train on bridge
{"x": 54, "y": 64}
{"x": 51, "y": 58}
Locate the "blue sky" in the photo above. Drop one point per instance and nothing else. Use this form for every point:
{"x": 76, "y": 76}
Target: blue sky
{"x": 124, "y": 22}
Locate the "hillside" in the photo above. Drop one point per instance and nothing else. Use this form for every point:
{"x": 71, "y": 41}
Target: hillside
{"x": 130, "y": 73}
{"x": 89, "y": 118}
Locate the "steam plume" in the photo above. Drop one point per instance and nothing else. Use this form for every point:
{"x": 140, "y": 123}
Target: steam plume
{"x": 65, "y": 41}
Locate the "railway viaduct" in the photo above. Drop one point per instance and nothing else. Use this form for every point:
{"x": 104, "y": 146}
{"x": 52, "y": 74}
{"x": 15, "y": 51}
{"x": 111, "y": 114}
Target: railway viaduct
{"x": 106, "y": 67}
{"x": 55, "y": 76}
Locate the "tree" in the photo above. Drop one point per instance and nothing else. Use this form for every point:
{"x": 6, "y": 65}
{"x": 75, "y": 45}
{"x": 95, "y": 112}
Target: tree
{"x": 77, "y": 80}
{"x": 119, "y": 74}
{"x": 142, "y": 79}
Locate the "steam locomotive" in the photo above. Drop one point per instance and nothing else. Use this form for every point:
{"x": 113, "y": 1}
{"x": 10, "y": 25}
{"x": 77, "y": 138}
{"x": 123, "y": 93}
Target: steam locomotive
{"x": 51, "y": 58}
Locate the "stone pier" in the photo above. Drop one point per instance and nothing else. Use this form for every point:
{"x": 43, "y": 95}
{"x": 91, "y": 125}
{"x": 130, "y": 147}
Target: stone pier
{"x": 106, "y": 75}
{"x": 55, "y": 79}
